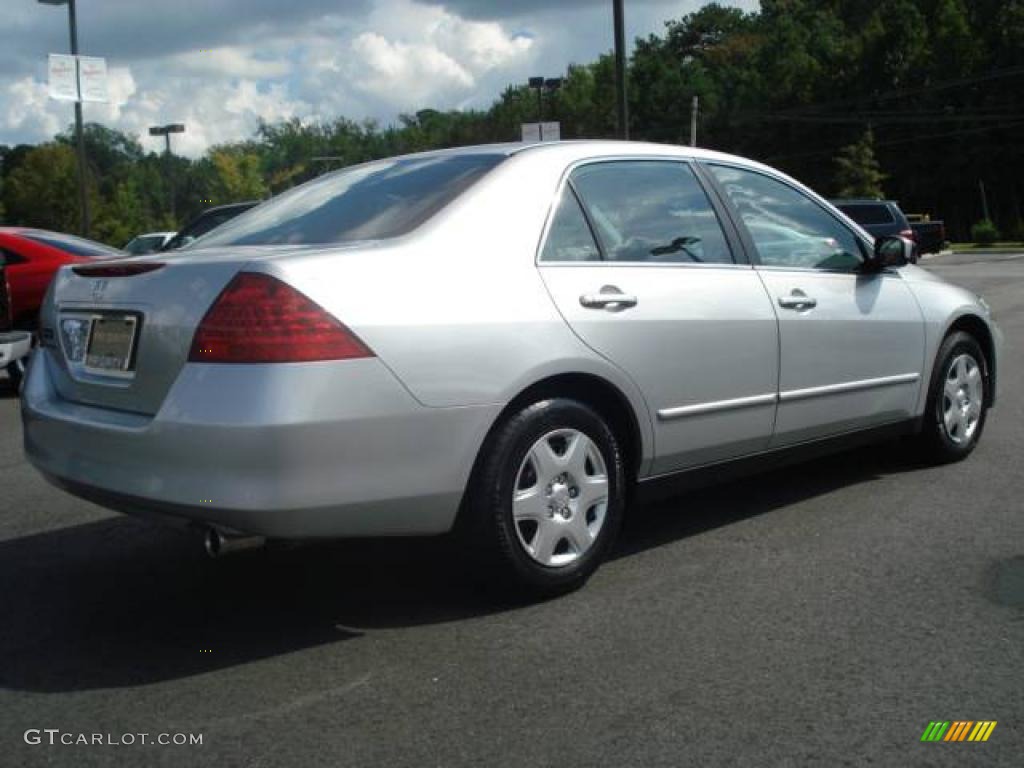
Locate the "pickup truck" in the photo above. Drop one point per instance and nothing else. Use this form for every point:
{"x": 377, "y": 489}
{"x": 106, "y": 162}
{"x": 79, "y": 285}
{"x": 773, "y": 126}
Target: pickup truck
{"x": 931, "y": 235}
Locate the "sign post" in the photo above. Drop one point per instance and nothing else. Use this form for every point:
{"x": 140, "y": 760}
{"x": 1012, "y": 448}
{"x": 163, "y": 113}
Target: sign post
{"x": 78, "y": 79}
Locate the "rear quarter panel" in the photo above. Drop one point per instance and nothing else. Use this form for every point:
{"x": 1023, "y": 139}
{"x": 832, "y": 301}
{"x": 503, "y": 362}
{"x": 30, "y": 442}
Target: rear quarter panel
{"x": 30, "y": 279}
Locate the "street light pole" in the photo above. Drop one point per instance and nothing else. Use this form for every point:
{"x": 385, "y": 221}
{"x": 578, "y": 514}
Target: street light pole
{"x": 83, "y": 197}
{"x": 166, "y": 131}
{"x": 620, "y": 69}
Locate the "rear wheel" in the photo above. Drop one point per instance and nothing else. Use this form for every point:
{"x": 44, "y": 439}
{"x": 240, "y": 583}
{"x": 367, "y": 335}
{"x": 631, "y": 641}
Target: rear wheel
{"x": 546, "y": 500}
{"x": 956, "y": 409}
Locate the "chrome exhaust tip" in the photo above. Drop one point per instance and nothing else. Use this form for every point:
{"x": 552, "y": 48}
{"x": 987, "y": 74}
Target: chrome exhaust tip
{"x": 217, "y": 542}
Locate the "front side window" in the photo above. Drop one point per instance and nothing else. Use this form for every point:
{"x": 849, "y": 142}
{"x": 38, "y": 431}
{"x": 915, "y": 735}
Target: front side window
{"x": 651, "y": 211}
{"x": 375, "y": 201}
{"x": 10, "y": 258}
{"x": 788, "y": 228}
{"x": 569, "y": 238}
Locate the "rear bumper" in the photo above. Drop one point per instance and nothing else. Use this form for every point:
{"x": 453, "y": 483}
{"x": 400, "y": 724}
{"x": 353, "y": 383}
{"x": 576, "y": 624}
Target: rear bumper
{"x": 290, "y": 451}
{"x": 14, "y": 345}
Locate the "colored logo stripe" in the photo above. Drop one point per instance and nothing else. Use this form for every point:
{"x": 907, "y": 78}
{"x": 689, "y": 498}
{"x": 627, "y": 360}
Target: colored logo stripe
{"x": 982, "y": 731}
{"x": 958, "y": 730}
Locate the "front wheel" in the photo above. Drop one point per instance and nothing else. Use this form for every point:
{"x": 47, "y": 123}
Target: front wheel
{"x": 547, "y": 497}
{"x": 956, "y": 408}
{"x": 16, "y": 372}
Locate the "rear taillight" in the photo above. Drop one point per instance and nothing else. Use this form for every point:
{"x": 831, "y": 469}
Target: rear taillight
{"x": 116, "y": 270}
{"x": 259, "y": 319}
{"x": 909, "y": 234}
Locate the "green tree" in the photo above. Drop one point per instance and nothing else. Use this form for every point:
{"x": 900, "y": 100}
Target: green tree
{"x": 857, "y": 171}
{"x": 237, "y": 176}
{"x": 122, "y": 216}
{"x": 43, "y": 190}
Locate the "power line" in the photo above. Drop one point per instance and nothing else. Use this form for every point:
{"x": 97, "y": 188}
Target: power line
{"x": 896, "y": 142}
{"x": 893, "y": 118}
{"x": 996, "y": 74}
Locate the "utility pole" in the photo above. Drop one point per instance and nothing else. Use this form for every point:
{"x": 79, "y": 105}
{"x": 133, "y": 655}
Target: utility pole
{"x": 620, "y": 69}
{"x": 83, "y": 197}
{"x": 984, "y": 200}
{"x": 694, "y": 106}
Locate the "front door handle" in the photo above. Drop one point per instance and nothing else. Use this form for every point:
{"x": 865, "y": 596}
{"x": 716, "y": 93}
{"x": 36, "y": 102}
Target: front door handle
{"x": 797, "y": 300}
{"x": 610, "y": 298}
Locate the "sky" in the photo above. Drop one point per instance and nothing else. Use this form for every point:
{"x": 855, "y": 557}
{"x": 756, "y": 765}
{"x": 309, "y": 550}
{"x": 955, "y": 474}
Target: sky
{"x": 220, "y": 66}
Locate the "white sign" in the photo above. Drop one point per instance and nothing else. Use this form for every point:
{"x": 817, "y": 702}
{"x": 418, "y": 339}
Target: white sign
{"x": 63, "y": 77}
{"x": 531, "y": 133}
{"x": 550, "y": 131}
{"x": 92, "y": 78}
{"x": 534, "y": 132}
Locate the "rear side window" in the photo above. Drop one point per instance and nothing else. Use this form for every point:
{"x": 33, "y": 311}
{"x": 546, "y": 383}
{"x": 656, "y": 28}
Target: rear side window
{"x": 374, "y": 201}
{"x": 76, "y": 246}
{"x": 569, "y": 238}
{"x": 868, "y": 214}
{"x": 651, "y": 211}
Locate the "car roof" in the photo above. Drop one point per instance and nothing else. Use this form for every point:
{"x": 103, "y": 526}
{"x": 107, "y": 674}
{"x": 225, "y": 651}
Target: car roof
{"x": 862, "y": 201}
{"x": 577, "y": 149}
{"x": 229, "y": 206}
{"x": 15, "y": 230}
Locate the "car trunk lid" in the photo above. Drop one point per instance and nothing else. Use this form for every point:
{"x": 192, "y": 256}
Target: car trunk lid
{"x": 120, "y": 331}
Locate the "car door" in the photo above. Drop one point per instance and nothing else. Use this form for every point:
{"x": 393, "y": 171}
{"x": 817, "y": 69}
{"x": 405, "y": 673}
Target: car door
{"x": 637, "y": 261}
{"x": 851, "y": 350}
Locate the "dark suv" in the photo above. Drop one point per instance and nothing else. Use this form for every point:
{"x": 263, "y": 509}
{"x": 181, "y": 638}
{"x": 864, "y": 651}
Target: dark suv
{"x": 879, "y": 217}
{"x": 206, "y": 221}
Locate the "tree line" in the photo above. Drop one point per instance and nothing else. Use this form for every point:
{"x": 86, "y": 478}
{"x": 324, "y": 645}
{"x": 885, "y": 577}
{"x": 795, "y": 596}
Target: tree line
{"x": 916, "y": 100}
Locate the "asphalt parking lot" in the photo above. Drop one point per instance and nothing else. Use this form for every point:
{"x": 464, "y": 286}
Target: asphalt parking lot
{"x": 820, "y": 615}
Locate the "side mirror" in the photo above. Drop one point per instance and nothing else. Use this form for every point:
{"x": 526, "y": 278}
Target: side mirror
{"x": 892, "y": 251}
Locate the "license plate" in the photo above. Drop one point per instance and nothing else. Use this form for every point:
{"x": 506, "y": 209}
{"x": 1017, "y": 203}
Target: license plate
{"x": 111, "y": 345}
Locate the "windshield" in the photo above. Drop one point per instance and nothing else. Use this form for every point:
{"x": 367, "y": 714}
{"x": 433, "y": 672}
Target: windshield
{"x": 374, "y": 201}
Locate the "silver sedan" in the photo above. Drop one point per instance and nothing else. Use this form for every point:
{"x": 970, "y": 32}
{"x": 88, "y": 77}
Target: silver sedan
{"x": 506, "y": 342}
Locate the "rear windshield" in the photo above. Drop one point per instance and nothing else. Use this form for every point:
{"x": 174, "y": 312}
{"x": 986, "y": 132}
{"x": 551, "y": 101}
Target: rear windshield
{"x": 868, "y": 214}
{"x": 374, "y": 201}
{"x": 73, "y": 245}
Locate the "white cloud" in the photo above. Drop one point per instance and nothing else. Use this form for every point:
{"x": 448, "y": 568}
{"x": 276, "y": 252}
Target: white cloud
{"x": 230, "y": 62}
{"x": 414, "y": 69}
{"x": 27, "y": 108}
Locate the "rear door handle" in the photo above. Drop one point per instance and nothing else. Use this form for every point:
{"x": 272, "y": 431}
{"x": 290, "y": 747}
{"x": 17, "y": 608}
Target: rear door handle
{"x": 797, "y": 300}
{"x": 610, "y": 297}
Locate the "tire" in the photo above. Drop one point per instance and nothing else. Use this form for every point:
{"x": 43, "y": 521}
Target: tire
{"x": 958, "y": 397}
{"x": 16, "y": 373}
{"x": 546, "y": 499}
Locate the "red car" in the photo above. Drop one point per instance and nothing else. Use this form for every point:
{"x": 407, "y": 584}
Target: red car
{"x": 32, "y": 258}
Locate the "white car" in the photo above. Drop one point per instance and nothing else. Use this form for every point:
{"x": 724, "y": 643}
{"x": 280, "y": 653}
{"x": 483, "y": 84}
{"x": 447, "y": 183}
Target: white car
{"x": 14, "y": 349}
{"x": 148, "y": 243}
